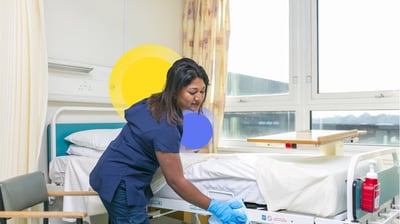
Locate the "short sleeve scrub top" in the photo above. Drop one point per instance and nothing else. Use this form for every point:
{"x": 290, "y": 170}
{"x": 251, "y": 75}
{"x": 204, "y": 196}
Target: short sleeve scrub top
{"x": 131, "y": 156}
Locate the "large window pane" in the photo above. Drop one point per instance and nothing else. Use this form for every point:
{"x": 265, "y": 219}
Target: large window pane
{"x": 241, "y": 125}
{"x": 382, "y": 126}
{"x": 358, "y": 45}
{"x": 258, "y": 60}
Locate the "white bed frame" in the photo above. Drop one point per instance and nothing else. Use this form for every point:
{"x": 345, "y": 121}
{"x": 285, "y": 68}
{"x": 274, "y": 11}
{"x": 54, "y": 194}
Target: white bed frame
{"x": 388, "y": 213}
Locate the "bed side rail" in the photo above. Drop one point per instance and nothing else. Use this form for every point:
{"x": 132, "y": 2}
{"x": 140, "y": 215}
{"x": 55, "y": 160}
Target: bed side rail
{"x": 388, "y": 189}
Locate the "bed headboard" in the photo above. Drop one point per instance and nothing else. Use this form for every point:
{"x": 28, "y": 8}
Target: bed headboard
{"x": 65, "y": 129}
{"x": 56, "y": 132}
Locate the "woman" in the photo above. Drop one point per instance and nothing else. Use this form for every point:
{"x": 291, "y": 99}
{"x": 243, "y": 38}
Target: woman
{"x": 151, "y": 139}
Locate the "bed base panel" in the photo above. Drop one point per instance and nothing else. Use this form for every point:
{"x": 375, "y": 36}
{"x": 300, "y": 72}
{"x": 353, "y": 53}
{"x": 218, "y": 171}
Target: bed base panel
{"x": 176, "y": 204}
{"x": 262, "y": 216}
{"x": 388, "y": 213}
{"x": 254, "y": 215}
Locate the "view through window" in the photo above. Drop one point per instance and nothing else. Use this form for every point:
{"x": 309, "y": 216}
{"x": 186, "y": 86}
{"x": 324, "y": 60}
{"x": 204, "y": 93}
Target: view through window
{"x": 358, "y": 50}
{"x": 258, "y": 65}
{"x": 348, "y": 81}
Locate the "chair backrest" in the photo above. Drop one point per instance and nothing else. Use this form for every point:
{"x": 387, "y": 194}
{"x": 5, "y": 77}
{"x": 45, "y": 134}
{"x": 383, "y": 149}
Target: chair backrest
{"x": 24, "y": 191}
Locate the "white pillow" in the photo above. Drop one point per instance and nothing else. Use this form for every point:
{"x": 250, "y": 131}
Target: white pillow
{"x": 83, "y": 151}
{"x": 97, "y": 139}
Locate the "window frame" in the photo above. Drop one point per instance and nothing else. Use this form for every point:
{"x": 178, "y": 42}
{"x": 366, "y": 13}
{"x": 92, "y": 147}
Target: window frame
{"x": 303, "y": 97}
{"x": 358, "y": 100}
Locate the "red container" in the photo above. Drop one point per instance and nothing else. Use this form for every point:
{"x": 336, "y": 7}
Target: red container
{"x": 370, "y": 192}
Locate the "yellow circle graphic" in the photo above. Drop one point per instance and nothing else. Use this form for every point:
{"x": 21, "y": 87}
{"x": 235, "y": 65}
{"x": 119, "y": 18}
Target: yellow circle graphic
{"x": 138, "y": 73}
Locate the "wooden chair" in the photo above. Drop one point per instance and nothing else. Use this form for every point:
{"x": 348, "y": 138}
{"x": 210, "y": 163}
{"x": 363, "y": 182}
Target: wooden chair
{"x": 19, "y": 193}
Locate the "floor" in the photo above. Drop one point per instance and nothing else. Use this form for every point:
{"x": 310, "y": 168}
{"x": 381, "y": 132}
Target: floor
{"x": 166, "y": 220}
{"x": 102, "y": 220}
{"x": 56, "y": 205}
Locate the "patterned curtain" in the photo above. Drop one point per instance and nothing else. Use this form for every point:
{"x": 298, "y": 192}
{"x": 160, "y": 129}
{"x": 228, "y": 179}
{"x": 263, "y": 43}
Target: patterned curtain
{"x": 23, "y": 86}
{"x": 206, "y": 30}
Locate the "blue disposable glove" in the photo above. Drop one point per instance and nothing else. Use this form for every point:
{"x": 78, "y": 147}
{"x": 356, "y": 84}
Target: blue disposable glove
{"x": 225, "y": 211}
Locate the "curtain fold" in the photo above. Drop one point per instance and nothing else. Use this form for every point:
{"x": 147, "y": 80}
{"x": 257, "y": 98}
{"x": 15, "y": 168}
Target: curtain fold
{"x": 206, "y": 29}
{"x": 23, "y": 85}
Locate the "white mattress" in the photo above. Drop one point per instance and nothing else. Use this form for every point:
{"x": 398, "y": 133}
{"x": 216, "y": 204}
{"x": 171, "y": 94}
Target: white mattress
{"x": 220, "y": 176}
{"x": 311, "y": 185}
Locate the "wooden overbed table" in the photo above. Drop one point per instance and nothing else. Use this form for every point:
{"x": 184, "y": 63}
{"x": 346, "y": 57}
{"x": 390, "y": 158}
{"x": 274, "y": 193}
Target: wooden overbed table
{"x": 330, "y": 142}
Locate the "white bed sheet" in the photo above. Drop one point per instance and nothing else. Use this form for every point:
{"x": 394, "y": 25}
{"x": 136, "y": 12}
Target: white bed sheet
{"x": 221, "y": 176}
{"x": 310, "y": 185}
{"x": 72, "y": 172}
{"x": 314, "y": 185}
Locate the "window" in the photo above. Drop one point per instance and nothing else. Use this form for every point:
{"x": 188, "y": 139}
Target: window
{"x": 296, "y": 65}
{"x": 358, "y": 50}
{"x": 259, "y": 52}
{"x": 382, "y": 126}
{"x": 241, "y": 125}
{"x": 355, "y": 68}
{"x": 258, "y": 68}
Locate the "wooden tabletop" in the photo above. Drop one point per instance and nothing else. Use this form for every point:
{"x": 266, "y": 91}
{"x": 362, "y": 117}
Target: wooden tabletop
{"x": 317, "y": 137}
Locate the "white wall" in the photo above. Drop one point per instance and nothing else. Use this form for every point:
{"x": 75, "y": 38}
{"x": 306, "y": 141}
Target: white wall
{"x": 98, "y": 32}
{"x": 95, "y": 33}
{"x": 155, "y": 22}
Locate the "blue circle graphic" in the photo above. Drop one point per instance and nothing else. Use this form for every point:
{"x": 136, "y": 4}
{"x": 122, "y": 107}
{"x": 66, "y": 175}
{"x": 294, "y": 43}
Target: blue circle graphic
{"x": 197, "y": 130}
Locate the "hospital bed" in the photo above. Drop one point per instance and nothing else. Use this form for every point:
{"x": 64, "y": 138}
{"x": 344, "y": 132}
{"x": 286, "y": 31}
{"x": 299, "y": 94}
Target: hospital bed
{"x": 276, "y": 188}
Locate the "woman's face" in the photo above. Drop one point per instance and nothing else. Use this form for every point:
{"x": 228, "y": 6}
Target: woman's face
{"x": 191, "y": 96}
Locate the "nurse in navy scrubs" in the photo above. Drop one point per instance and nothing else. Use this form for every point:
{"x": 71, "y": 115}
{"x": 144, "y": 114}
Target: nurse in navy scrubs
{"x": 151, "y": 139}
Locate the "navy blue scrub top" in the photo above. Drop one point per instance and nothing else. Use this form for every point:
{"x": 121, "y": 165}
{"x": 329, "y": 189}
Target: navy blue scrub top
{"x": 131, "y": 156}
